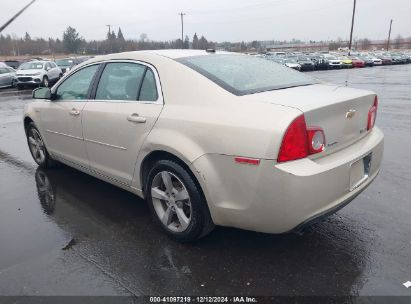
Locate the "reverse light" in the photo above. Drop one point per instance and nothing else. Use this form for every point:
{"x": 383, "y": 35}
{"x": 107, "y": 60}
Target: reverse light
{"x": 372, "y": 114}
{"x": 316, "y": 140}
{"x": 300, "y": 141}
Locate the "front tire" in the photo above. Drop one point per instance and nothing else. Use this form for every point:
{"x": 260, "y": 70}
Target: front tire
{"x": 37, "y": 147}
{"x": 45, "y": 83}
{"x": 176, "y": 202}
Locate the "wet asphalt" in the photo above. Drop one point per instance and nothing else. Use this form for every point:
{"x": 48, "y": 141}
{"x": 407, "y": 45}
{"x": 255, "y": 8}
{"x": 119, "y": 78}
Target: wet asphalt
{"x": 65, "y": 233}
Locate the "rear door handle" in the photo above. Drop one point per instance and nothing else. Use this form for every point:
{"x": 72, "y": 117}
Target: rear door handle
{"x": 74, "y": 112}
{"x": 136, "y": 118}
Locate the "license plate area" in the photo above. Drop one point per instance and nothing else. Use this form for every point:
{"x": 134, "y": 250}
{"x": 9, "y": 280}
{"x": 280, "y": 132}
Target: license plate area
{"x": 359, "y": 172}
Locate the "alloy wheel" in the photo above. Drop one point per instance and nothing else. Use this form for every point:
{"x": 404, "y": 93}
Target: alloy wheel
{"x": 171, "y": 201}
{"x": 36, "y": 145}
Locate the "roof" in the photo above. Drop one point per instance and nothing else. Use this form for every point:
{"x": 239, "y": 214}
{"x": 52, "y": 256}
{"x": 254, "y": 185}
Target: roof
{"x": 170, "y": 53}
{"x": 176, "y": 53}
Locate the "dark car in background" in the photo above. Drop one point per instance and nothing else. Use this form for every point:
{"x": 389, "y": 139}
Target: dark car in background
{"x": 368, "y": 61}
{"x": 386, "y": 59}
{"x": 398, "y": 58}
{"x": 305, "y": 63}
{"x": 13, "y": 63}
{"x": 320, "y": 62}
{"x": 66, "y": 64}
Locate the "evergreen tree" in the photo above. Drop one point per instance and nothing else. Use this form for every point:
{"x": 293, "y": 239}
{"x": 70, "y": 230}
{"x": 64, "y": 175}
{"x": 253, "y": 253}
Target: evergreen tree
{"x": 195, "y": 41}
{"x": 71, "y": 40}
{"x": 186, "y": 44}
{"x": 120, "y": 35}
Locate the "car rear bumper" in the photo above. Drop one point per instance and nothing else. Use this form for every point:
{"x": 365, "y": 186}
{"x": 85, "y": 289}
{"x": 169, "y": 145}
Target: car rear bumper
{"x": 277, "y": 198}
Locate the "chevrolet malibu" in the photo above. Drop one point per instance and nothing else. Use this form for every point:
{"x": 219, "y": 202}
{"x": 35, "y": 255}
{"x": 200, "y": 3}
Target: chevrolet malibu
{"x": 210, "y": 138}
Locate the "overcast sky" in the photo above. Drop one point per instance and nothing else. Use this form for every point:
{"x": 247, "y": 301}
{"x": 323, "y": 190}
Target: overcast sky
{"x": 217, "y": 20}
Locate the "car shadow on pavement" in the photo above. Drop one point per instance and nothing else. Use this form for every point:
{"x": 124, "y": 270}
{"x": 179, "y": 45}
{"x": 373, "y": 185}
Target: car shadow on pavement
{"x": 114, "y": 229}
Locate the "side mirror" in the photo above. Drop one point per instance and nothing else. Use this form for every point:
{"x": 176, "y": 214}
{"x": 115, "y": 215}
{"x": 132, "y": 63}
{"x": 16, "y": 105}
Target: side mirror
{"x": 48, "y": 69}
{"x": 42, "y": 93}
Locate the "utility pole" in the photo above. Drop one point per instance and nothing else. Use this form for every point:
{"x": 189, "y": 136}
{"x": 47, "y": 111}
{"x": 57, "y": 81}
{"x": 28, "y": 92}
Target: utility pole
{"x": 182, "y": 29}
{"x": 15, "y": 16}
{"x": 109, "y": 28}
{"x": 109, "y": 37}
{"x": 389, "y": 36}
{"x": 352, "y": 27}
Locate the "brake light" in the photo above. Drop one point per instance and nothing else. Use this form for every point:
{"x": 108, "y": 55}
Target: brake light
{"x": 300, "y": 141}
{"x": 372, "y": 114}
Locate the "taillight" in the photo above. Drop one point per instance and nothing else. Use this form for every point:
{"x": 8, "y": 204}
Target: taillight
{"x": 300, "y": 141}
{"x": 372, "y": 114}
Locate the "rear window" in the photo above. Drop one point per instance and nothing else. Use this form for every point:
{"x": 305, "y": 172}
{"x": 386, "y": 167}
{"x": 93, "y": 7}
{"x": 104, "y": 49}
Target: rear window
{"x": 242, "y": 74}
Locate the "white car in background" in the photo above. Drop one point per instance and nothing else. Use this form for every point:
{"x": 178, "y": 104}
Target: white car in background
{"x": 377, "y": 61}
{"x": 291, "y": 63}
{"x": 39, "y": 73}
{"x": 210, "y": 138}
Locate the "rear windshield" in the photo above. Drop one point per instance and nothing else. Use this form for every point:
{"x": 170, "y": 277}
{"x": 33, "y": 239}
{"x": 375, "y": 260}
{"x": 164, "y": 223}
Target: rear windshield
{"x": 242, "y": 74}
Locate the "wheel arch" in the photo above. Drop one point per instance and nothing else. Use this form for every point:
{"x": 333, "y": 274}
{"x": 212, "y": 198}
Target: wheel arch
{"x": 27, "y": 120}
{"x": 151, "y": 158}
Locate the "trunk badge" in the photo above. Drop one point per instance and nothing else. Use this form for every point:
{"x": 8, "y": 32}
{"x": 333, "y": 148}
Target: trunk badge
{"x": 350, "y": 114}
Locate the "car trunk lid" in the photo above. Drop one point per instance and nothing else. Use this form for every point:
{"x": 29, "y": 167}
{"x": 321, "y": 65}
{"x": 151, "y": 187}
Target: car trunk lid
{"x": 341, "y": 112}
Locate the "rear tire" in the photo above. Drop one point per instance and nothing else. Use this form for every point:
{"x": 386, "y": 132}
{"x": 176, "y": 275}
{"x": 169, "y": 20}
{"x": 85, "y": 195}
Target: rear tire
{"x": 37, "y": 147}
{"x": 184, "y": 220}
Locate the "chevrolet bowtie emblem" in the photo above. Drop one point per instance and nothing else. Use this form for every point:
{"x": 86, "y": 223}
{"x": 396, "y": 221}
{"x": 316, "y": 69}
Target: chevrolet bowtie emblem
{"x": 350, "y": 114}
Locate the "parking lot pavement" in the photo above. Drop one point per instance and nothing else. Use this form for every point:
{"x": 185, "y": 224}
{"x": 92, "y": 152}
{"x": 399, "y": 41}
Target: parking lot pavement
{"x": 65, "y": 233}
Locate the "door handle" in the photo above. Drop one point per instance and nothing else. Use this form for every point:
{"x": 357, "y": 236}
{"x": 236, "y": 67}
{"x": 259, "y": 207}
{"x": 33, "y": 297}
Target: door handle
{"x": 136, "y": 118}
{"x": 74, "y": 112}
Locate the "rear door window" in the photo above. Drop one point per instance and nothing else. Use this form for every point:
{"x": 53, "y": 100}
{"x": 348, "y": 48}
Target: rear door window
{"x": 148, "y": 88}
{"x": 120, "y": 81}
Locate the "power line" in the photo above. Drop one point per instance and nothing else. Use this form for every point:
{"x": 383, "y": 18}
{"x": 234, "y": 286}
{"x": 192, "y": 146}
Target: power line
{"x": 15, "y": 16}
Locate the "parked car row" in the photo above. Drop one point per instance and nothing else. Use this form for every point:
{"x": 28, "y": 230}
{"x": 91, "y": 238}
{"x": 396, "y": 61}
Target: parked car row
{"x": 35, "y": 72}
{"x": 336, "y": 60}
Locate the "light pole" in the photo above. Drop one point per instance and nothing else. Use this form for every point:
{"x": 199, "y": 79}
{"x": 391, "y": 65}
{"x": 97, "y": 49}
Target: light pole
{"x": 352, "y": 27}
{"x": 389, "y": 36}
{"x": 182, "y": 29}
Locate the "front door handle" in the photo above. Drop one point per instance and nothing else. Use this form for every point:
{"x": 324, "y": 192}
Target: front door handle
{"x": 136, "y": 118}
{"x": 74, "y": 112}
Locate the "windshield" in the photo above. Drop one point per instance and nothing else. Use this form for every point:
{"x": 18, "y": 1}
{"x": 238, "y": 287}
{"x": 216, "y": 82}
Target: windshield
{"x": 243, "y": 75}
{"x": 64, "y": 62}
{"x": 31, "y": 66}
